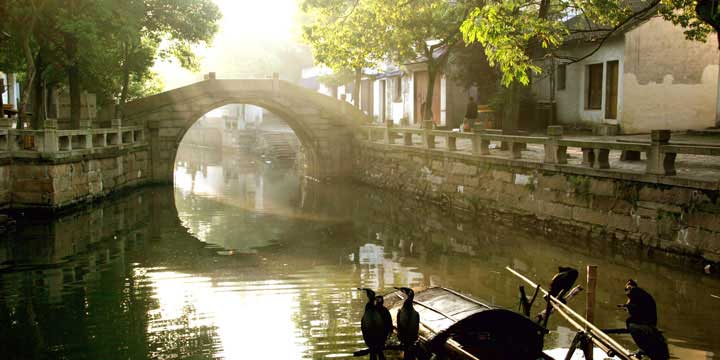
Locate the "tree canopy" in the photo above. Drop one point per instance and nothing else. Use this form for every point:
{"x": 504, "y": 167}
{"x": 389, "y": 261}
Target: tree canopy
{"x": 104, "y": 46}
{"x": 353, "y": 34}
{"x": 515, "y": 33}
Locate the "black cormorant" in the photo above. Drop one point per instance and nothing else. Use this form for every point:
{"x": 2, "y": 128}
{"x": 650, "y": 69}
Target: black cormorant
{"x": 642, "y": 322}
{"x": 559, "y": 286}
{"x": 408, "y": 324}
{"x": 563, "y": 281}
{"x": 385, "y": 313}
{"x": 373, "y": 326}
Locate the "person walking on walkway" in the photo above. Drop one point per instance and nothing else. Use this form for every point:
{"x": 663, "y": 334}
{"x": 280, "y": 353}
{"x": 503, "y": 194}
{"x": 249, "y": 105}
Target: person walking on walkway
{"x": 471, "y": 114}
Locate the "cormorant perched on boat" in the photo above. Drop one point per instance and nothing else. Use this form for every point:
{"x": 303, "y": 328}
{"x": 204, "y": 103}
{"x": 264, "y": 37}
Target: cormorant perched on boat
{"x": 373, "y": 326}
{"x": 642, "y": 322}
{"x": 563, "y": 281}
{"x": 559, "y": 286}
{"x": 408, "y": 324}
{"x": 385, "y": 313}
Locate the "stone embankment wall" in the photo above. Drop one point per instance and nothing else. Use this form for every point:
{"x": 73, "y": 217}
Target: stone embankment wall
{"x": 57, "y": 183}
{"x": 5, "y": 184}
{"x": 674, "y": 219}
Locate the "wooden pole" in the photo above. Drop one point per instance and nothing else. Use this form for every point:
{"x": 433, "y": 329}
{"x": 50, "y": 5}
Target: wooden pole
{"x": 590, "y": 305}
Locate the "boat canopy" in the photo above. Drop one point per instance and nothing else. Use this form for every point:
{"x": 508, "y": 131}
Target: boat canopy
{"x": 485, "y": 331}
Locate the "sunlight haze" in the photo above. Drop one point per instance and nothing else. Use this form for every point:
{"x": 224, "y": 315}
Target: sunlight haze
{"x": 251, "y": 33}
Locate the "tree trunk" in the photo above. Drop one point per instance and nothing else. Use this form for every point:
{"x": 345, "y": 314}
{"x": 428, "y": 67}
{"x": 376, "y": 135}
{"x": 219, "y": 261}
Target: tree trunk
{"x": 511, "y": 107}
{"x": 27, "y": 87}
{"x": 432, "y": 75}
{"x": 125, "y": 83}
{"x": 38, "y": 101}
{"x": 717, "y": 106}
{"x": 73, "y": 74}
{"x": 356, "y": 88}
{"x": 514, "y": 94}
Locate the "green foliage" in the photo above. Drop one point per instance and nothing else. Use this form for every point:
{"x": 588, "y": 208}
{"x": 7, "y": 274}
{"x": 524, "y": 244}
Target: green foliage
{"x": 505, "y": 30}
{"x": 344, "y": 35}
{"x": 627, "y": 191}
{"x": 685, "y": 14}
{"x": 468, "y": 67}
{"x": 338, "y": 78}
{"x": 149, "y": 85}
{"x": 517, "y": 33}
{"x": 112, "y": 44}
{"x": 580, "y": 185}
{"x": 352, "y": 35}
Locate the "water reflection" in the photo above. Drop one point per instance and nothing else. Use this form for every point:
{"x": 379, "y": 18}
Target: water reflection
{"x": 242, "y": 261}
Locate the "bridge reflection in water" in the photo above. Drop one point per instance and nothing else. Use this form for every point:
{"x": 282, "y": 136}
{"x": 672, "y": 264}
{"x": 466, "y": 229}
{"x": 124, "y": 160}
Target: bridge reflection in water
{"x": 242, "y": 261}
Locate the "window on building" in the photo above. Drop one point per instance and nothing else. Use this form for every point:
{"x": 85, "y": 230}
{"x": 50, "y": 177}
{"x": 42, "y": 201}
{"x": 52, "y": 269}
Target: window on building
{"x": 397, "y": 89}
{"x": 561, "y": 74}
{"x": 594, "y": 87}
{"x": 611, "y": 89}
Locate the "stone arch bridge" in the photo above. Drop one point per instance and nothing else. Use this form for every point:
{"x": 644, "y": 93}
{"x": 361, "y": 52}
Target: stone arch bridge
{"x": 324, "y": 125}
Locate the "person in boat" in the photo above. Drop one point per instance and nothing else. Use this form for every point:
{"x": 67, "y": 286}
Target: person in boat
{"x": 408, "y": 324}
{"x": 642, "y": 322}
{"x": 373, "y": 326}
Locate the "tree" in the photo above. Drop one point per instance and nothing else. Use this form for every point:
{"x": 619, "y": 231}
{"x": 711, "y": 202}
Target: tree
{"x": 468, "y": 67}
{"x": 518, "y": 33}
{"x": 345, "y": 36}
{"x": 105, "y": 45}
{"x": 423, "y": 29}
{"x": 698, "y": 17}
{"x": 19, "y": 22}
{"x": 148, "y": 29}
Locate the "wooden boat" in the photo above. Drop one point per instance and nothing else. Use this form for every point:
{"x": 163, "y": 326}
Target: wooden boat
{"x": 457, "y": 326}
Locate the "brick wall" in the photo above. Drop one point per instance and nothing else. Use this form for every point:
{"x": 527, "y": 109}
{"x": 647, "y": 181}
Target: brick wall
{"x": 674, "y": 219}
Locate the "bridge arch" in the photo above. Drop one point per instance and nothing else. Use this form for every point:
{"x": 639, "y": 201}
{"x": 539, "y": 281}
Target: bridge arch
{"x": 324, "y": 125}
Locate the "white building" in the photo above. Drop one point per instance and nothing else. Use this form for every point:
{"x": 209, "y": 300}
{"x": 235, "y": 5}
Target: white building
{"x": 648, "y": 76}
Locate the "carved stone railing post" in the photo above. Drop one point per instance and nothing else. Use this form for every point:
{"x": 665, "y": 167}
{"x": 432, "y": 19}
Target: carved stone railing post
{"x": 451, "y": 142}
{"x": 50, "y": 141}
{"x": 408, "y": 138}
{"x": 275, "y": 83}
{"x": 602, "y": 158}
{"x": 554, "y": 152}
{"x": 588, "y": 156}
{"x": 5, "y": 123}
{"x": 659, "y": 162}
{"x": 429, "y": 137}
{"x": 516, "y": 149}
{"x": 389, "y": 133}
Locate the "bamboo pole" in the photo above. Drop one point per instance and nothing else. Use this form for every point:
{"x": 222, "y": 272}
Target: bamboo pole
{"x": 580, "y": 323}
{"x": 590, "y": 304}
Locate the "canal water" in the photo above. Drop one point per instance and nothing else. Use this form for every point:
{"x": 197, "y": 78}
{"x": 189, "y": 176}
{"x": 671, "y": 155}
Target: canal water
{"x": 243, "y": 259}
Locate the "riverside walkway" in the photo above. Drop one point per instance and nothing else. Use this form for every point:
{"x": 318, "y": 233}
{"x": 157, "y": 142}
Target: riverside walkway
{"x": 694, "y": 157}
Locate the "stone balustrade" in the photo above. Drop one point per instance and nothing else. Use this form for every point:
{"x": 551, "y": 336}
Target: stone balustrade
{"x": 49, "y": 142}
{"x": 660, "y": 154}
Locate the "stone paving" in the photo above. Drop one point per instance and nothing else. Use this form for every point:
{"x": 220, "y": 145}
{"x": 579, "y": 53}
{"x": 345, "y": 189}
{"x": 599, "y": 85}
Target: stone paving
{"x": 695, "y": 167}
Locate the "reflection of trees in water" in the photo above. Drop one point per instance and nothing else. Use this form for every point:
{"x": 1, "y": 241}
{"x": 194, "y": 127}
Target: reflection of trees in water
{"x": 76, "y": 291}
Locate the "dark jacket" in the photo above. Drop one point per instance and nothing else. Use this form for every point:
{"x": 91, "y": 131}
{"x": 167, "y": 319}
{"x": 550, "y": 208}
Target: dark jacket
{"x": 472, "y": 110}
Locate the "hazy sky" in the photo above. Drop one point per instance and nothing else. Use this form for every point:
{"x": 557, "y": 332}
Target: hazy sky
{"x": 251, "y": 34}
